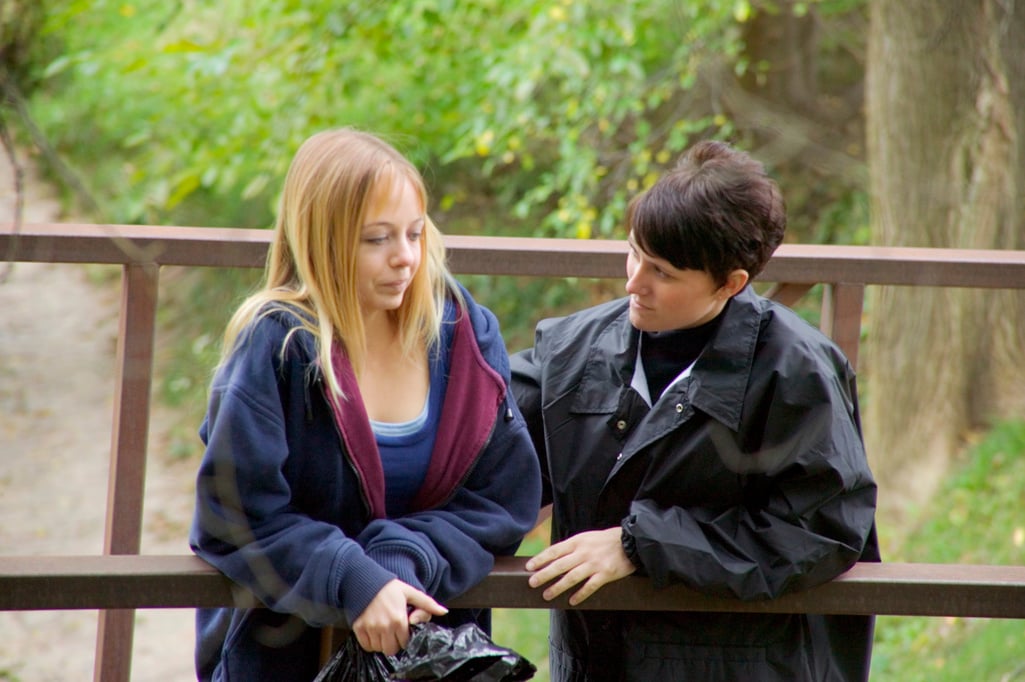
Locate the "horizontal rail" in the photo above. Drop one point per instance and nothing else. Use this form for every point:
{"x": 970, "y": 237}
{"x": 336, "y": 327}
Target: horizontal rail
{"x": 172, "y": 581}
{"x": 121, "y": 581}
{"x": 527, "y": 256}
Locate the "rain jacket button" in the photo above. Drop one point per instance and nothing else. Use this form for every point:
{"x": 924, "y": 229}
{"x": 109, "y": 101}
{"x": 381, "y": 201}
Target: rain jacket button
{"x": 679, "y": 407}
{"x": 621, "y": 424}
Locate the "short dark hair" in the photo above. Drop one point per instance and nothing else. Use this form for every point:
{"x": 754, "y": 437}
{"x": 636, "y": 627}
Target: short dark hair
{"x": 716, "y": 211}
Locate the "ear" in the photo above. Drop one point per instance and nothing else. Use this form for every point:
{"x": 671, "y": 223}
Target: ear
{"x": 735, "y": 281}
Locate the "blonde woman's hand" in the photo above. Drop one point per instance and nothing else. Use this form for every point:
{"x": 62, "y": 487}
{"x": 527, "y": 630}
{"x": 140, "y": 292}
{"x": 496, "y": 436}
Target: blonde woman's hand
{"x": 384, "y": 624}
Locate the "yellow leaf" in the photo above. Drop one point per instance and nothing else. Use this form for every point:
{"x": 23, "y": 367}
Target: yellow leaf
{"x": 483, "y": 143}
{"x": 742, "y": 11}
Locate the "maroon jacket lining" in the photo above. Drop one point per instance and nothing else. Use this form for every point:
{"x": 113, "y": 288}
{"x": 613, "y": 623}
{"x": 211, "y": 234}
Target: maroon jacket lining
{"x": 474, "y": 392}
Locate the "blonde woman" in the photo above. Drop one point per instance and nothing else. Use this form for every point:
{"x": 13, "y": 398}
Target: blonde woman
{"x": 364, "y": 458}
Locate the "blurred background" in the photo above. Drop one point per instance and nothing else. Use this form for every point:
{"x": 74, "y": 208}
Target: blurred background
{"x": 885, "y": 123}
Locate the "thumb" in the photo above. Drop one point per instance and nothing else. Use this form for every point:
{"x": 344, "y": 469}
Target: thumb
{"x": 420, "y": 600}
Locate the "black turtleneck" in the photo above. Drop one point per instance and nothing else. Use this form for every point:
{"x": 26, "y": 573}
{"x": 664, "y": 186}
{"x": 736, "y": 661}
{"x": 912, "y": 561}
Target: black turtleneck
{"x": 666, "y": 354}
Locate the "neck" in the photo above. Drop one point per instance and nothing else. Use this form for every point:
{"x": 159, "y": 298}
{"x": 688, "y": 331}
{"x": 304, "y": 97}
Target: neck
{"x": 381, "y": 329}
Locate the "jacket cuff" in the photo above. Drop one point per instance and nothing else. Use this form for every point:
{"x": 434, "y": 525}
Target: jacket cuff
{"x": 630, "y": 543}
{"x": 401, "y": 564}
{"x": 362, "y": 579}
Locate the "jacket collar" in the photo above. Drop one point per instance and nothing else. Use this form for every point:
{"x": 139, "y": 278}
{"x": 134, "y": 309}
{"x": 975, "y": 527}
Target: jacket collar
{"x": 722, "y": 371}
{"x": 474, "y": 392}
{"x": 717, "y": 381}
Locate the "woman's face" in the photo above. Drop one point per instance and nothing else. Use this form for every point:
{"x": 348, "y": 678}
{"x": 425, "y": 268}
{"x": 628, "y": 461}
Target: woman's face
{"x": 389, "y": 248}
{"x": 663, "y": 297}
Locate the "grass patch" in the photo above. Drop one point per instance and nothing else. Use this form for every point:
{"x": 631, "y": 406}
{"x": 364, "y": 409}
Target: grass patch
{"x": 975, "y": 518}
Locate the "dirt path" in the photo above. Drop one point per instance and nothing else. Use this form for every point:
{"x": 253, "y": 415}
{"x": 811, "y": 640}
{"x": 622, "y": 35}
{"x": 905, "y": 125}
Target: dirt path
{"x": 58, "y": 329}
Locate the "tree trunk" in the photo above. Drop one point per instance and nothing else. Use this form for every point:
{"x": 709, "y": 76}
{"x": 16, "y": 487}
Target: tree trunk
{"x": 945, "y": 107}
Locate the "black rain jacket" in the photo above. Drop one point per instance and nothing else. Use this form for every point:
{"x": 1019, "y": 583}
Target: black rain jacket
{"x": 746, "y": 479}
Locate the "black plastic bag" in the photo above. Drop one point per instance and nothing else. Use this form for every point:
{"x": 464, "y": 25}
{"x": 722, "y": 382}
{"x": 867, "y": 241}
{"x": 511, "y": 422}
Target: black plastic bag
{"x": 352, "y": 664}
{"x": 434, "y": 652}
{"x": 458, "y": 654}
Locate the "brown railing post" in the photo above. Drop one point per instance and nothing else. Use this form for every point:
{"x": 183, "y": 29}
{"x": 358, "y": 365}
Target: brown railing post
{"x": 126, "y": 486}
{"x": 842, "y": 306}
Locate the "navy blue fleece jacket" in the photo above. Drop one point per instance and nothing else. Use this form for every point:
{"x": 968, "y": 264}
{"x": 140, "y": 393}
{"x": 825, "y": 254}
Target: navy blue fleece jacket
{"x": 290, "y": 494}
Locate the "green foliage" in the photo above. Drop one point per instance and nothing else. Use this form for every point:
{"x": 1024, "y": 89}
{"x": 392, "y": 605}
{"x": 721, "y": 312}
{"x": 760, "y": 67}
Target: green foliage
{"x": 21, "y": 50}
{"x": 528, "y": 117}
{"x": 976, "y": 518}
{"x": 569, "y": 107}
{"x": 8, "y": 675}
{"x": 196, "y": 304}
{"x": 526, "y": 632}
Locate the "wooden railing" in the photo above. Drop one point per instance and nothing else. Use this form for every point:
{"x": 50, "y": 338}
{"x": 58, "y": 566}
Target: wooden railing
{"x": 120, "y": 580}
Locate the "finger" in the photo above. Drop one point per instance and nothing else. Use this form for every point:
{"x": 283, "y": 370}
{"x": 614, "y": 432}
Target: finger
{"x": 399, "y": 640}
{"x": 566, "y": 582}
{"x": 418, "y": 616}
{"x": 537, "y": 561}
{"x": 592, "y": 585}
{"x": 571, "y": 577}
{"x": 552, "y": 571}
{"x": 548, "y": 555}
{"x": 372, "y": 638}
{"x": 419, "y": 600}
{"x": 388, "y": 639}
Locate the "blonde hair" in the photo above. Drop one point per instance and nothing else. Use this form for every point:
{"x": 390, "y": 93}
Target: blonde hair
{"x": 311, "y": 266}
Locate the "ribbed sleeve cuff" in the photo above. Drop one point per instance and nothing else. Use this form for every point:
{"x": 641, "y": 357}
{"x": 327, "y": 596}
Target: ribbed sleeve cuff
{"x": 402, "y": 565}
{"x": 362, "y": 578}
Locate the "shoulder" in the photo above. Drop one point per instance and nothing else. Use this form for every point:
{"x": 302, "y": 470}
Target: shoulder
{"x": 461, "y": 302}
{"x": 786, "y": 334}
{"x": 275, "y": 337}
{"x": 487, "y": 332}
{"x": 800, "y": 363}
{"x": 765, "y": 330}
{"x": 579, "y": 328}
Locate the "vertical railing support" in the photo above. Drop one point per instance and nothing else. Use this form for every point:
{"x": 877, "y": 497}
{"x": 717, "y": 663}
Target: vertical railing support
{"x": 842, "y": 307}
{"x": 127, "y": 477}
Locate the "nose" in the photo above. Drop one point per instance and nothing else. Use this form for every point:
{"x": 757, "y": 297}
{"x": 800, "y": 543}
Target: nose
{"x": 634, "y": 281}
{"x": 404, "y": 254}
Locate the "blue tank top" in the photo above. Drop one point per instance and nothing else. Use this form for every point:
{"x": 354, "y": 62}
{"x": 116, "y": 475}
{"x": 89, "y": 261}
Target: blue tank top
{"x": 406, "y": 447}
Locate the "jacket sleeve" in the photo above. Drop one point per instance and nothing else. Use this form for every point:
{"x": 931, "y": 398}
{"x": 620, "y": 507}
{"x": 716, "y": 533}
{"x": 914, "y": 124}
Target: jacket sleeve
{"x": 806, "y": 504}
{"x": 526, "y": 387}
{"x": 246, "y": 524}
{"x": 452, "y": 547}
